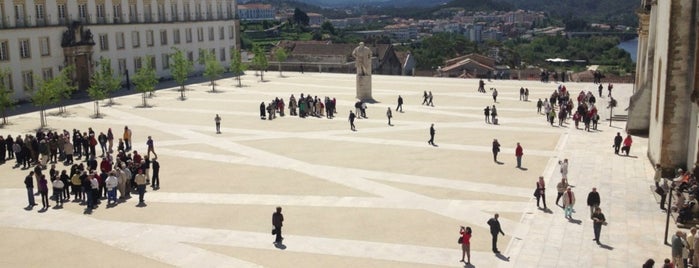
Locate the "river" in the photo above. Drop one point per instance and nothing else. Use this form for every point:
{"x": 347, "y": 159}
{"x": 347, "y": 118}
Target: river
{"x": 630, "y": 46}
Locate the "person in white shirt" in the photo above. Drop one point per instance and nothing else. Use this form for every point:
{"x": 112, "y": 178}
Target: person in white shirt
{"x": 111, "y": 183}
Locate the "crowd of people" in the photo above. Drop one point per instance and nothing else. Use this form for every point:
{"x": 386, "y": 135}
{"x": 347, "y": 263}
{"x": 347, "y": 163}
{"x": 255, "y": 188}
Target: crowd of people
{"x": 560, "y": 100}
{"x": 306, "y": 105}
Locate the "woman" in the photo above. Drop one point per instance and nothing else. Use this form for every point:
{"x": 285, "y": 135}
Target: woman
{"x": 627, "y": 144}
{"x": 466, "y": 244}
{"x": 44, "y": 191}
{"x": 496, "y": 150}
{"x": 541, "y": 191}
{"x": 58, "y": 191}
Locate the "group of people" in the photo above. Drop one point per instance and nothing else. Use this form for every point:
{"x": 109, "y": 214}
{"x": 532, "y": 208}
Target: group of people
{"x": 306, "y": 105}
{"x": 586, "y": 110}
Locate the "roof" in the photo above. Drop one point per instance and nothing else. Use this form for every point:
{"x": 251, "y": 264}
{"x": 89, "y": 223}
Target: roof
{"x": 464, "y": 63}
{"x": 487, "y": 61}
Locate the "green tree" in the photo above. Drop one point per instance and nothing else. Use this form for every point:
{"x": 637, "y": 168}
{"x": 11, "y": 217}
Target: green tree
{"x": 6, "y": 101}
{"x": 65, "y": 87}
{"x": 281, "y": 56}
{"x": 328, "y": 27}
{"x": 102, "y": 83}
{"x": 300, "y": 17}
{"x": 237, "y": 65}
{"x": 260, "y": 61}
{"x": 180, "y": 69}
{"x": 212, "y": 67}
{"x": 145, "y": 79}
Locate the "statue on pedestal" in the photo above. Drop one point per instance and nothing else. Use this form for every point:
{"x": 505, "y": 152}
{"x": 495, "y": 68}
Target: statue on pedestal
{"x": 362, "y": 57}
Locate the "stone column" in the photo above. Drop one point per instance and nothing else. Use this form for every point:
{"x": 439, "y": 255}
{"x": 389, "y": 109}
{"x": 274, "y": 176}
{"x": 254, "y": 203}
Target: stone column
{"x": 640, "y": 102}
{"x": 364, "y": 87}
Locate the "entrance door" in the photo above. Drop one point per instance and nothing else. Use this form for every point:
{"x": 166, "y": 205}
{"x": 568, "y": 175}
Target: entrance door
{"x": 82, "y": 72}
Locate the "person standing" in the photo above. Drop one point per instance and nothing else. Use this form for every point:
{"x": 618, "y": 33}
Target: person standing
{"x": 518, "y": 153}
{"x": 352, "y": 116}
{"x": 111, "y": 183}
{"x": 564, "y": 168}
{"x": 277, "y": 222}
{"x": 44, "y": 191}
{"x": 400, "y": 104}
{"x": 690, "y": 245}
{"x": 431, "y": 141}
{"x": 627, "y": 144}
{"x": 561, "y": 188}
{"x": 495, "y": 230}
{"x": 496, "y": 150}
{"x": 677, "y": 246}
{"x": 541, "y": 192}
{"x": 568, "y": 202}
{"x": 486, "y": 112}
{"x": 466, "y": 243}
{"x": 389, "y": 115}
{"x": 102, "y": 139}
{"x": 110, "y": 140}
{"x": 217, "y": 119}
{"x": 495, "y": 95}
{"x": 539, "y": 104}
{"x": 151, "y": 147}
{"x": 141, "y": 185}
{"x": 617, "y": 142}
{"x": 58, "y": 190}
{"x": 155, "y": 165}
{"x": 658, "y": 175}
{"x": 593, "y": 200}
{"x": 598, "y": 220}
{"x": 494, "y": 115}
{"x": 127, "y": 138}
{"x": 29, "y": 184}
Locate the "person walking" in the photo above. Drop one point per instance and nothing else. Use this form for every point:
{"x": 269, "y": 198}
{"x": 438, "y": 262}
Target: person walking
{"x": 155, "y": 165}
{"x": 431, "y": 141}
{"x": 217, "y": 119}
{"x": 598, "y": 220}
{"x": 352, "y": 116}
{"x": 400, "y": 104}
{"x": 429, "y": 99}
{"x": 277, "y": 222}
{"x": 141, "y": 186}
{"x": 561, "y": 188}
{"x": 494, "y": 115}
{"x": 541, "y": 192}
{"x": 29, "y": 184}
{"x": 665, "y": 189}
{"x": 496, "y": 150}
{"x": 127, "y": 138}
{"x": 568, "y": 202}
{"x": 389, "y": 115}
{"x": 465, "y": 244}
{"x": 495, "y": 230}
{"x": 627, "y": 145}
{"x": 495, "y": 95}
{"x": 44, "y": 191}
{"x": 564, "y": 168}
{"x": 539, "y": 104}
{"x": 486, "y": 112}
{"x": 151, "y": 148}
{"x": 593, "y": 200}
{"x": 518, "y": 153}
{"x": 617, "y": 142}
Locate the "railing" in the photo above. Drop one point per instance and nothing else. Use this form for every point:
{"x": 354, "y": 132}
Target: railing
{"x": 101, "y": 20}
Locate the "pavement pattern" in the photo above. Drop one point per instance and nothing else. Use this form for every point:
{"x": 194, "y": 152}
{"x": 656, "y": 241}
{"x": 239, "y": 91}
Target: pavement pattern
{"x": 377, "y": 197}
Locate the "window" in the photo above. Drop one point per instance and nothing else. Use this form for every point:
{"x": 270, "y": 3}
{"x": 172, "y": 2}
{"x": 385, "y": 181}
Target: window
{"x": 122, "y": 65}
{"x": 82, "y": 12}
{"x": 188, "y": 35}
{"x": 19, "y": 15}
{"x": 47, "y": 73}
{"x": 166, "y": 61}
{"x": 187, "y": 15}
{"x": 200, "y": 34}
{"x": 176, "y": 36}
{"x": 44, "y": 46}
{"x": 24, "y": 49}
{"x": 40, "y": 14}
{"x": 197, "y": 10}
{"x": 222, "y": 55}
{"x": 147, "y": 13}
{"x": 62, "y": 13}
{"x": 104, "y": 42}
{"x": 120, "y": 40}
{"x": 7, "y": 80}
{"x": 209, "y": 12}
{"x": 161, "y": 13}
{"x": 100, "y": 13}
{"x": 133, "y": 13}
{"x": 221, "y": 33}
{"x": 173, "y": 11}
{"x": 152, "y": 61}
{"x": 4, "y": 51}
{"x": 190, "y": 56}
{"x": 163, "y": 37}
{"x": 137, "y": 64}
{"x": 231, "y": 32}
{"x": 135, "y": 39}
{"x": 211, "y": 33}
{"x": 149, "y": 38}
{"x": 117, "y": 13}
{"x": 28, "y": 80}
{"x": 201, "y": 55}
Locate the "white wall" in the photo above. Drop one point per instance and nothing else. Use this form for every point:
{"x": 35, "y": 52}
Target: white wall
{"x": 659, "y": 79}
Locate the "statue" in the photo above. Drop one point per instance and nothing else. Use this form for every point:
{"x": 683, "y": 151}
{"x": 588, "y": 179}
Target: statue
{"x": 362, "y": 56}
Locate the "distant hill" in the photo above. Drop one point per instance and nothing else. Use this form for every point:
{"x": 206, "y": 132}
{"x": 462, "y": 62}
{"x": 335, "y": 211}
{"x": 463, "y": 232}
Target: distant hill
{"x": 608, "y": 11}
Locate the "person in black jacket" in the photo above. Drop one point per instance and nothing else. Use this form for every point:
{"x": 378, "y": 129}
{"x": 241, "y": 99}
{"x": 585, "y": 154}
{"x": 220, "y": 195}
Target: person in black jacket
{"x": 495, "y": 229}
{"x": 277, "y": 220}
{"x": 617, "y": 142}
{"x": 593, "y": 200}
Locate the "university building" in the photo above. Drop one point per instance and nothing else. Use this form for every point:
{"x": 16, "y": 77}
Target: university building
{"x": 40, "y": 37}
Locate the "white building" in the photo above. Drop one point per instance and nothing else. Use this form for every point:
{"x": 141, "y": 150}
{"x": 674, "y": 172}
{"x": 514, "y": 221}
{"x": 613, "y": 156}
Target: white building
{"x": 256, "y": 12}
{"x": 35, "y": 42}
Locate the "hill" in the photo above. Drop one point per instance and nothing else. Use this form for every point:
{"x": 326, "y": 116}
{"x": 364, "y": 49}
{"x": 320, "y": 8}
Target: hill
{"x": 614, "y": 12}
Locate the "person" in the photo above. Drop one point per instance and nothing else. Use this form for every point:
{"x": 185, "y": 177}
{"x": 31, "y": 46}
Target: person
{"x": 362, "y": 56}
{"x": 494, "y": 115}
{"x": 521, "y": 93}
{"x": 141, "y": 185}
{"x": 58, "y": 190}
{"x": 668, "y": 264}
{"x": 598, "y": 220}
{"x": 277, "y": 222}
{"x": 155, "y": 165}
{"x": 429, "y": 99}
{"x": 617, "y": 143}
{"x": 561, "y": 188}
{"x": 127, "y": 138}
{"x": 29, "y": 184}
{"x": 599, "y": 90}
{"x": 541, "y": 192}
{"x": 568, "y": 202}
{"x": 677, "y": 246}
{"x": 389, "y": 115}
{"x": 496, "y": 150}
{"x": 518, "y": 153}
{"x": 151, "y": 147}
{"x": 352, "y": 116}
{"x": 609, "y": 89}
{"x": 486, "y": 112}
{"x": 495, "y": 95}
{"x": 102, "y": 139}
{"x": 539, "y": 104}
{"x": 593, "y": 200}
{"x": 495, "y": 230}
{"x": 695, "y": 252}
{"x": 627, "y": 145}
{"x": 564, "y": 168}
{"x": 466, "y": 243}
{"x": 263, "y": 109}
{"x": 217, "y": 119}
{"x": 658, "y": 175}
{"x": 431, "y": 141}
{"x": 690, "y": 245}
{"x": 111, "y": 184}
{"x": 400, "y": 104}
{"x": 44, "y": 191}
{"x": 424, "y": 97}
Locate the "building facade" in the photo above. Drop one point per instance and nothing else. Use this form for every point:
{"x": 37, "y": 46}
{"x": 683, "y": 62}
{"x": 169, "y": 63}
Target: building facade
{"x": 666, "y": 91}
{"x": 40, "y": 37}
{"x": 256, "y": 12}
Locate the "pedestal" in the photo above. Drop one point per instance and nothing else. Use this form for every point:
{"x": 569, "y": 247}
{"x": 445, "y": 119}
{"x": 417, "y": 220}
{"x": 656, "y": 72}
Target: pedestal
{"x": 364, "y": 87}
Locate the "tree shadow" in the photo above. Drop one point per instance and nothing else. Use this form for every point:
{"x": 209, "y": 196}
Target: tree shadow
{"x": 145, "y": 106}
{"x": 95, "y": 116}
{"x": 215, "y": 92}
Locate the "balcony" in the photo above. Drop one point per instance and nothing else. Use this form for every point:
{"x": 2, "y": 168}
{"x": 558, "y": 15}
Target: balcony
{"x": 101, "y": 20}
{"x": 117, "y": 20}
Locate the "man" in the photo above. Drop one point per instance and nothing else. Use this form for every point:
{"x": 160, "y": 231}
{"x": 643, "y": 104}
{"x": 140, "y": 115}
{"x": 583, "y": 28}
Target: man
{"x": 593, "y": 200}
{"x": 539, "y": 104}
{"x": 561, "y": 188}
{"x": 389, "y": 115}
{"x": 521, "y": 93}
{"x": 29, "y": 183}
{"x": 111, "y": 183}
{"x": 151, "y": 147}
{"x": 690, "y": 245}
{"x": 541, "y": 192}
{"x": 598, "y": 220}
{"x": 495, "y": 95}
{"x": 351, "y": 120}
{"x": 217, "y": 119}
{"x": 568, "y": 202}
{"x": 431, "y": 141}
{"x": 599, "y": 89}
{"x": 518, "y": 153}
{"x": 400, "y": 104}
{"x": 496, "y": 150}
{"x": 93, "y": 195}
{"x": 127, "y": 138}
{"x": 141, "y": 184}
{"x": 677, "y": 248}
{"x": 665, "y": 187}
{"x": 495, "y": 229}
{"x": 564, "y": 168}
{"x": 486, "y": 112}
{"x": 617, "y": 142}
{"x": 156, "y": 174}
{"x": 277, "y": 220}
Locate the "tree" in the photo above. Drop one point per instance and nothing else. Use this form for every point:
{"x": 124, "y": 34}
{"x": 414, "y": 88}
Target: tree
{"x": 212, "y": 67}
{"x": 65, "y": 87}
{"x": 328, "y": 27}
{"x": 260, "y": 61}
{"x": 300, "y": 17}
{"x": 102, "y": 83}
{"x": 180, "y": 69}
{"x": 281, "y": 56}
{"x": 237, "y": 65}
{"x": 145, "y": 79}
{"x": 6, "y": 100}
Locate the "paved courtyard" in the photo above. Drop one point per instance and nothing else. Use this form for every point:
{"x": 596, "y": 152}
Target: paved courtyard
{"x": 377, "y": 197}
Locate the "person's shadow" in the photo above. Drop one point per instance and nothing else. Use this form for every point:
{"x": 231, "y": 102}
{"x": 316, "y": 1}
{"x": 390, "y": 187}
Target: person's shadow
{"x": 469, "y": 265}
{"x": 546, "y": 210}
{"x": 499, "y": 163}
{"x": 605, "y": 246}
{"x": 523, "y": 168}
{"x": 576, "y": 221}
{"x": 502, "y": 257}
{"x": 280, "y": 246}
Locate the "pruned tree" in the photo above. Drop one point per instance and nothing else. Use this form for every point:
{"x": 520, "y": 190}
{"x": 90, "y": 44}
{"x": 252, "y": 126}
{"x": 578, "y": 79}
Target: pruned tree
{"x": 237, "y": 65}
{"x": 102, "y": 83}
{"x": 281, "y": 56}
{"x": 212, "y": 67}
{"x": 45, "y": 95}
{"x": 260, "y": 61}
{"x": 180, "y": 69}
{"x": 6, "y": 100}
{"x": 145, "y": 79}
{"x": 65, "y": 87}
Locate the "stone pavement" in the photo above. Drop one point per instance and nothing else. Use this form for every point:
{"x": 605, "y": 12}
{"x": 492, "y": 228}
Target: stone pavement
{"x": 378, "y": 197}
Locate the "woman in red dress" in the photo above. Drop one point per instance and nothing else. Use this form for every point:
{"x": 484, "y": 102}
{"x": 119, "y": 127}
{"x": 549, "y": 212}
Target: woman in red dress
{"x": 466, "y": 244}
